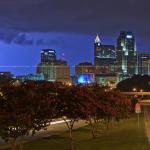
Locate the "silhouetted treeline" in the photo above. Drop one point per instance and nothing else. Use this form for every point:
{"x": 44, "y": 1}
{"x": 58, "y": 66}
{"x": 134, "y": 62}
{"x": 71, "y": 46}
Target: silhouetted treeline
{"x": 137, "y": 82}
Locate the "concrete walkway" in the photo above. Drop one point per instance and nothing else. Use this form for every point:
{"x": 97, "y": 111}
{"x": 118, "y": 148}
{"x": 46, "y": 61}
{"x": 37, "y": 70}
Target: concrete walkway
{"x": 54, "y": 128}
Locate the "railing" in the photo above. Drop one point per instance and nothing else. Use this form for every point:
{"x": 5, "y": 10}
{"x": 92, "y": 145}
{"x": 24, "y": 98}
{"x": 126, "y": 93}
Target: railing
{"x": 136, "y": 93}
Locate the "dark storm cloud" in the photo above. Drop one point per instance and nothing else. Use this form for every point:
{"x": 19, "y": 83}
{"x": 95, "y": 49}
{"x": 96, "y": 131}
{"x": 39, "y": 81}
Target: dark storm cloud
{"x": 52, "y": 42}
{"x": 8, "y": 35}
{"x": 88, "y": 16}
{"x": 22, "y": 40}
{"x": 71, "y": 15}
{"x": 11, "y": 36}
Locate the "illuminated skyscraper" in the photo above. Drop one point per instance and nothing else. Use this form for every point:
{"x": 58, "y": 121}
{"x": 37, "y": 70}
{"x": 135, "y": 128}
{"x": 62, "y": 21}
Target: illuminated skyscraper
{"x": 52, "y": 68}
{"x": 126, "y": 54}
{"x": 104, "y": 57}
{"x": 48, "y": 55}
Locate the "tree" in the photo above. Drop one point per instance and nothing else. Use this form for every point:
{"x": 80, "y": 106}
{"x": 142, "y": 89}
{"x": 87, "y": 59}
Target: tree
{"x": 137, "y": 81}
{"x": 69, "y": 101}
{"x": 24, "y": 108}
{"x": 42, "y": 101}
{"x": 101, "y": 106}
{"x": 91, "y": 107}
{"x": 116, "y": 106}
{"x": 15, "y": 115}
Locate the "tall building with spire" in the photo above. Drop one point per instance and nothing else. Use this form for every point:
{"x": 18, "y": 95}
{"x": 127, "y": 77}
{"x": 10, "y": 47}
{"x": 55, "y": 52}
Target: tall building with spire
{"x": 97, "y": 39}
{"x": 104, "y": 57}
{"x": 126, "y": 54}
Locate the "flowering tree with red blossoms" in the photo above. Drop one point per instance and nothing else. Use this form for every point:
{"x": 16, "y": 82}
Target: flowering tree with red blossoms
{"x": 15, "y": 115}
{"x": 102, "y": 106}
{"x": 115, "y": 106}
{"x": 69, "y": 101}
{"x": 31, "y": 106}
{"x": 42, "y": 97}
{"x": 24, "y": 108}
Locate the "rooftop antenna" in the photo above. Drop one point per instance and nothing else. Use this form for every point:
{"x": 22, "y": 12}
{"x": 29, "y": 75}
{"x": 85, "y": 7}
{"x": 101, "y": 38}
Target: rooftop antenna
{"x": 63, "y": 57}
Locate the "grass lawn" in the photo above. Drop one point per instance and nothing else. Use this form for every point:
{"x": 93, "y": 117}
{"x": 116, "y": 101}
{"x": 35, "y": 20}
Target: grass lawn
{"x": 124, "y": 136}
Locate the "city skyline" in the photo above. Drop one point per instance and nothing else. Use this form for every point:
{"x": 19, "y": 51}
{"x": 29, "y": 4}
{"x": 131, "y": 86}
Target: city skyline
{"x": 23, "y": 65}
{"x": 74, "y": 74}
{"x": 67, "y": 26}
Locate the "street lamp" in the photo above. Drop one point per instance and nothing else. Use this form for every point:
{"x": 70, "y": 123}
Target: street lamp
{"x": 141, "y": 92}
{"x": 134, "y": 90}
{"x": 1, "y": 94}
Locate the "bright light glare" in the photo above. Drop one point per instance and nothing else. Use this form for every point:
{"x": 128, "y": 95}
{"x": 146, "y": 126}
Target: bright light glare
{"x": 129, "y": 36}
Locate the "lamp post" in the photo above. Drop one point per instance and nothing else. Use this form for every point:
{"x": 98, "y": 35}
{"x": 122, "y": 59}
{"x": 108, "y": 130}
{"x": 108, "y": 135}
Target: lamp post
{"x": 141, "y": 92}
{"x": 1, "y": 94}
{"x": 134, "y": 90}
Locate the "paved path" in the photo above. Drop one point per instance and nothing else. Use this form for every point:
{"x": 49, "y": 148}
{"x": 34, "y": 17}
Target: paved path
{"x": 51, "y": 130}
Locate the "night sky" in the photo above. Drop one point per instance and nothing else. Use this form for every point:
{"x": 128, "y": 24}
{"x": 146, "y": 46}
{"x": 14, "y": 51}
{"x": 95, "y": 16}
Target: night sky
{"x": 68, "y": 26}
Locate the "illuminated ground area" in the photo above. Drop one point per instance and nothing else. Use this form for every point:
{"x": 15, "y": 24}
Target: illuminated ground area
{"x": 124, "y": 136}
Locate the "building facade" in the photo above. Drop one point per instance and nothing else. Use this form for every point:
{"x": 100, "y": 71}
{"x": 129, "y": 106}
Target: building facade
{"x": 104, "y": 57}
{"x": 4, "y": 76}
{"x": 144, "y": 63}
{"x": 83, "y": 68}
{"x": 109, "y": 80}
{"x": 126, "y": 54}
{"x": 62, "y": 70}
{"x": 48, "y": 70}
{"x": 54, "y": 70}
{"x": 33, "y": 77}
{"x": 48, "y": 55}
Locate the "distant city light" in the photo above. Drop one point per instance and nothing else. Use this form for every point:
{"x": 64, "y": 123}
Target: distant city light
{"x": 85, "y": 79}
{"x": 129, "y": 36}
